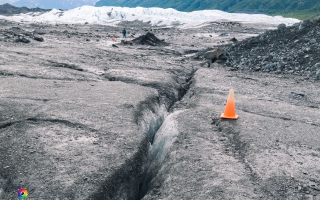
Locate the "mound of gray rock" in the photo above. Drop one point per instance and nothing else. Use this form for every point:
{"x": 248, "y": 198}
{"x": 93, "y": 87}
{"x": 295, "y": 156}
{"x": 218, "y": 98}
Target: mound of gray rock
{"x": 286, "y": 50}
{"x": 149, "y": 39}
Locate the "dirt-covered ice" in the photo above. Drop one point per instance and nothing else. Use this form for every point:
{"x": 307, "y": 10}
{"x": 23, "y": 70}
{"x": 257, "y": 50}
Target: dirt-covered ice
{"x": 86, "y": 117}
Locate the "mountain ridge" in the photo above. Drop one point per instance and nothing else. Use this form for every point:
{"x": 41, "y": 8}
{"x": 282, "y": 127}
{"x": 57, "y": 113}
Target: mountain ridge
{"x": 8, "y": 9}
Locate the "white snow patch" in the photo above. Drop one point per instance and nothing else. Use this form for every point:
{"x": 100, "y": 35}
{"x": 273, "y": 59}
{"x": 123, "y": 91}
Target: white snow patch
{"x": 156, "y": 16}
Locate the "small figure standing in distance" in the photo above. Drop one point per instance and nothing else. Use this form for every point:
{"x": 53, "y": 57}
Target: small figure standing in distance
{"x": 124, "y": 32}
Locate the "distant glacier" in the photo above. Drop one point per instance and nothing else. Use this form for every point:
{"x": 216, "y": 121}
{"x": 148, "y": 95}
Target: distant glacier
{"x": 155, "y": 16}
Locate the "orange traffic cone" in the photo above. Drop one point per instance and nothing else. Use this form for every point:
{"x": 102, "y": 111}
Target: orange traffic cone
{"x": 230, "y": 110}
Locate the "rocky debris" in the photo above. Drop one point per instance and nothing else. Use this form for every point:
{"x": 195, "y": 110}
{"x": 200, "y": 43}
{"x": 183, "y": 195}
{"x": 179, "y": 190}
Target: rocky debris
{"x": 15, "y": 31}
{"x": 286, "y": 50}
{"x": 16, "y": 34}
{"x": 149, "y": 39}
{"x": 7, "y": 9}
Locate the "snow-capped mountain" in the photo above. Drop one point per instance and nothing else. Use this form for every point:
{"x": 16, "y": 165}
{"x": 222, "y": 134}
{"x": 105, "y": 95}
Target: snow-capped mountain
{"x": 49, "y": 4}
{"x": 155, "y": 16}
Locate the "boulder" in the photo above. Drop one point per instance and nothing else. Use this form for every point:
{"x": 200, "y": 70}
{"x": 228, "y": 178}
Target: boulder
{"x": 281, "y": 27}
{"x": 303, "y": 25}
{"x": 317, "y": 66}
{"x": 214, "y": 53}
{"x": 312, "y": 41}
{"x": 22, "y": 39}
{"x": 38, "y": 38}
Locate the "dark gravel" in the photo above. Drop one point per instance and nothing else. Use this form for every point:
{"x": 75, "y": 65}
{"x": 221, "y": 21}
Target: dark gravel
{"x": 286, "y": 50}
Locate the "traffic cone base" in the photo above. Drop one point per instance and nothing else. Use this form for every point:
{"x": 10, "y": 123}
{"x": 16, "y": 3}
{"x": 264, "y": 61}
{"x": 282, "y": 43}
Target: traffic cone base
{"x": 230, "y": 110}
{"x": 228, "y": 117}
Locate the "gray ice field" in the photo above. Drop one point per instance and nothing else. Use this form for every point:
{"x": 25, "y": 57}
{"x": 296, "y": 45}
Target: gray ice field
{"x": 81, "y": 119}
